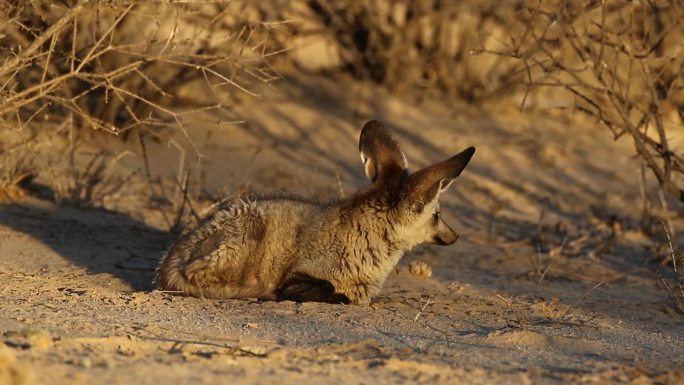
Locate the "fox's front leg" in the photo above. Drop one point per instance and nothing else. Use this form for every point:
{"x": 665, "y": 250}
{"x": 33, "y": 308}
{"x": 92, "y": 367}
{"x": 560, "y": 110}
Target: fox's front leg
{"x": 303, "y": 288}
{"x": 358, "y": 293}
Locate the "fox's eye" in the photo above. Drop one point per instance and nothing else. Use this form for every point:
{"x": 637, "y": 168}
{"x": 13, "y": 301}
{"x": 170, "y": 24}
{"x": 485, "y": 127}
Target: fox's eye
{"x": 436, "y": 216}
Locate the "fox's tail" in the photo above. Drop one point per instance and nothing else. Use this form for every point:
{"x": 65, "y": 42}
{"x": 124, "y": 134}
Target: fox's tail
{"x": 170, "y": 277}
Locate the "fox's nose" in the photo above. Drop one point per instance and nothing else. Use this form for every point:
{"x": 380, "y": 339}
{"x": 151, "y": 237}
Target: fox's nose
{"x": 446, "y": 239}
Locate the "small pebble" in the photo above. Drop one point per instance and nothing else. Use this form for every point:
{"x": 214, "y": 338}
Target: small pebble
{"x": 39, "y": 340}
{"x": 420, "y": 269}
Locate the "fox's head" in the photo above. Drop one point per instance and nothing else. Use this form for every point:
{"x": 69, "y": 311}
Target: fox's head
{"x": 415, "y": 208}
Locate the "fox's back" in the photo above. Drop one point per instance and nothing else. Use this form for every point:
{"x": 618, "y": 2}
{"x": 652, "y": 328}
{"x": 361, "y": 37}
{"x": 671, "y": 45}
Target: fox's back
{"x": 248, "y": 242}
{"x": 286, "y": 221}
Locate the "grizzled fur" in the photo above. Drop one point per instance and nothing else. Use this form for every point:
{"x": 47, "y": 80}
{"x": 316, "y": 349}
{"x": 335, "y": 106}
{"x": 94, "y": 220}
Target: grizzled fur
{"x": 285, "y": 247}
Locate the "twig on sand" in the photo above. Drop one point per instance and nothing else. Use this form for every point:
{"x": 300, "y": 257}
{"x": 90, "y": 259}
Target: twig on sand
{"x": 580, "y": 299}
{"x": 669, "y": 241}
{"x": 678, "y": 298}
{"x": 520, "y": 319}
{"x": 540, "y": 266}
{"x": 180, "y": 341}
{"x": 421, "y": 310}
{"x": 552, "y": 255}
{"x": 676, "y": 295}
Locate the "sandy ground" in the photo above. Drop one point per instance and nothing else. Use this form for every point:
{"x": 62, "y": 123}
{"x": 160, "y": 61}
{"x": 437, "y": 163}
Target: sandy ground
{"x": 582, "y": 305}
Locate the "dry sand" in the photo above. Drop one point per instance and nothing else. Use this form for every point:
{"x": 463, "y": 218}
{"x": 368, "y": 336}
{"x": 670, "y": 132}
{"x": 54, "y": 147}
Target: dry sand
{"x": 76, "y": 306}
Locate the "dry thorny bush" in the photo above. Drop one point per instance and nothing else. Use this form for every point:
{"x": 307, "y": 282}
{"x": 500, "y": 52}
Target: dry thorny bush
{"x": 119, "y": 67}
{"x": 116, "y": 66}
{"x": 622, "y": 63}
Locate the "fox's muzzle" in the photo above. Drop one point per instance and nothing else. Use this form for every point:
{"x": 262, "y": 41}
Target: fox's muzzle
{"x": 447, "y": 240}
{"x": 445, "y": 235}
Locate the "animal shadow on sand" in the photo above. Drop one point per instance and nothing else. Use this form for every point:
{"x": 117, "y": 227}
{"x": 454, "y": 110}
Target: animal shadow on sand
{"x": 100, "y": 240}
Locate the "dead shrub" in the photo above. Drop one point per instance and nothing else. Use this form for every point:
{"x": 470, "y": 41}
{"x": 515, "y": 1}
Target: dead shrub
{"x": 118, "y": 66}
{"x": 620, "y": 62}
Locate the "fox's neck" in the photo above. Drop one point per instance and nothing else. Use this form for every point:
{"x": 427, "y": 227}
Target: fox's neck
{"x": 370, "y": 216}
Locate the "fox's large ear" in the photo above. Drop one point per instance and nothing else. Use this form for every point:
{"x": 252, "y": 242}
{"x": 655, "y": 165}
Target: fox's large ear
{"x": 380, "y": 153}
{"x": 426, "y": 184}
